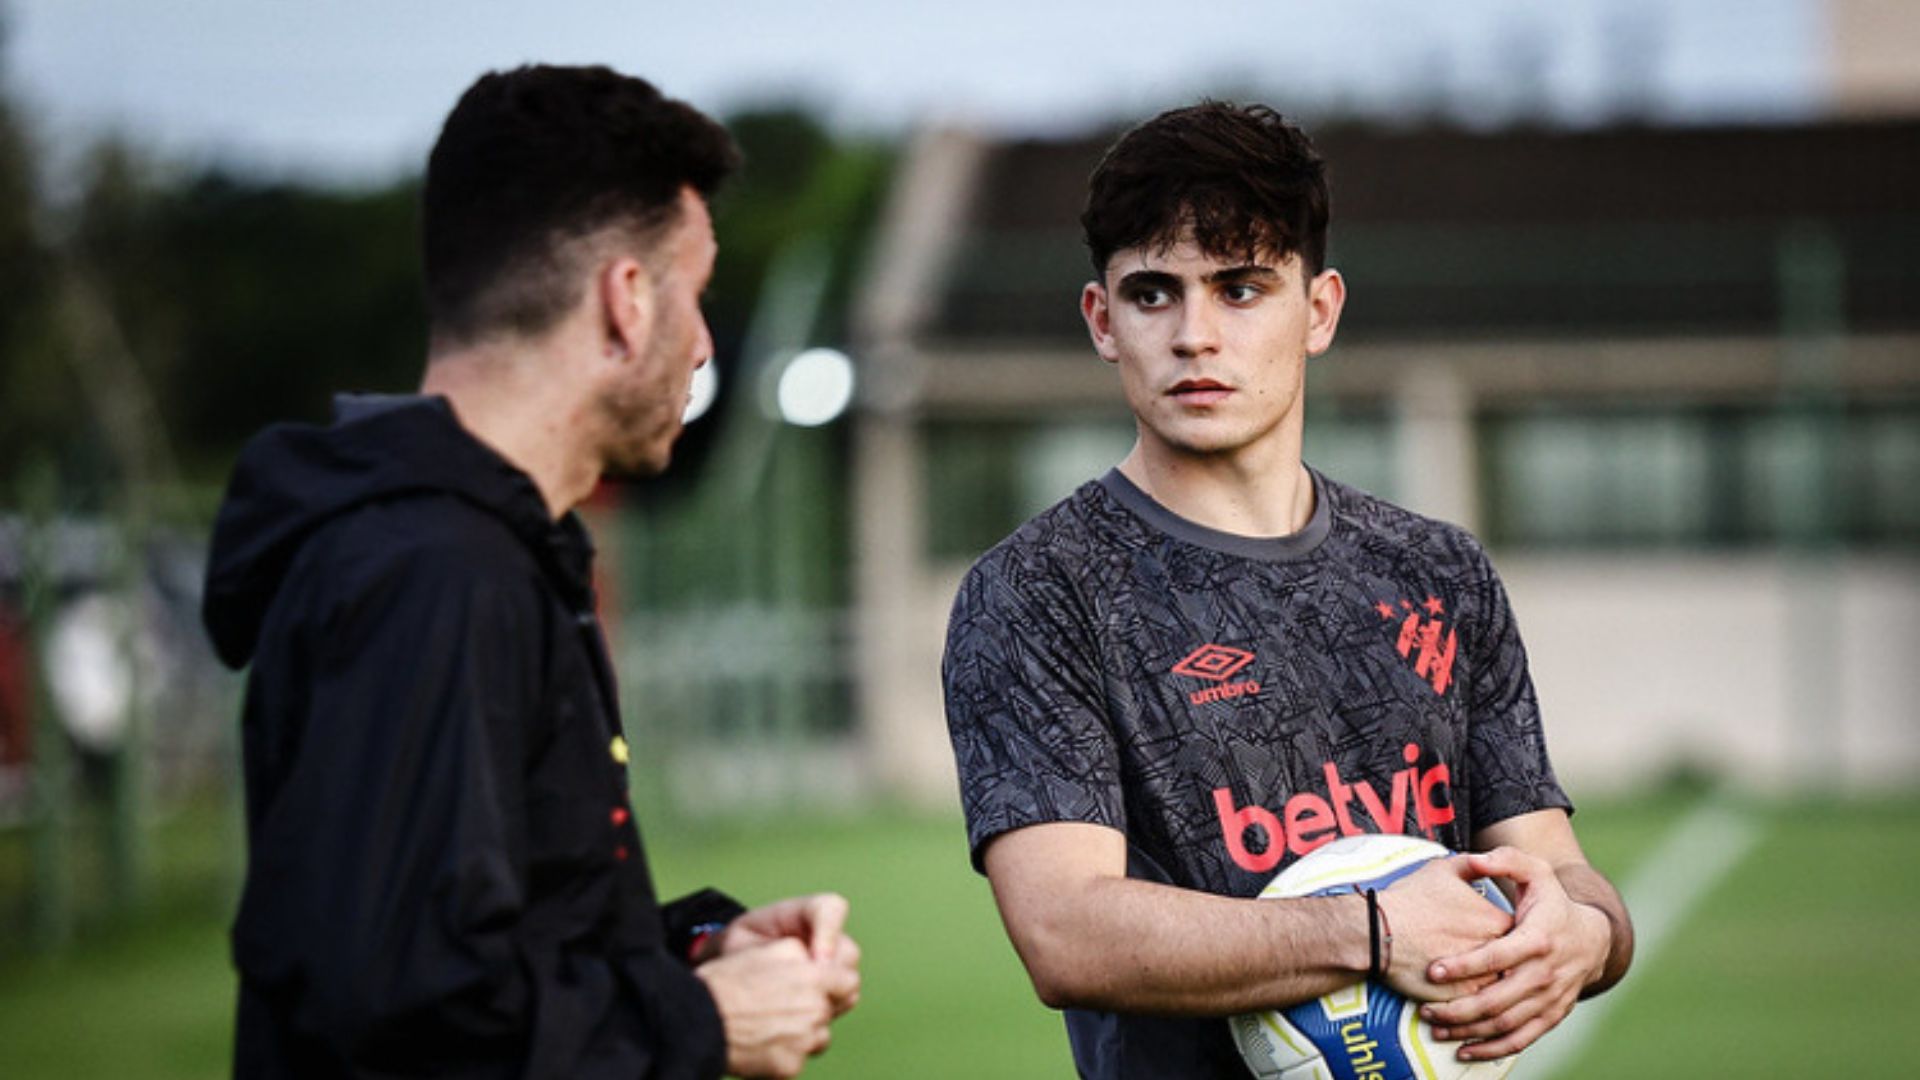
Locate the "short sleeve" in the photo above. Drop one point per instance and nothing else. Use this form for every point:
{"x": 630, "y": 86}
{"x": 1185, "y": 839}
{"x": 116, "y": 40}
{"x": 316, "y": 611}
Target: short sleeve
{"x": 1511, "y": 771}
{"x": 1025, "y": 704}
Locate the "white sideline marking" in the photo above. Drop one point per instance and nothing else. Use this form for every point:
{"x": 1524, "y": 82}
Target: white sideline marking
{"x": 1665, "y": 887}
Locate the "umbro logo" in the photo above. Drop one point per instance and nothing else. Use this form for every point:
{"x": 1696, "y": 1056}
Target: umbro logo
{"x": 1217, "y": 664}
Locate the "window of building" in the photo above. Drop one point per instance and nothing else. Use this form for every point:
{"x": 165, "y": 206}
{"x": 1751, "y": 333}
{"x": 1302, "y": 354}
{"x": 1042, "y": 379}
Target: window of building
{"x": 1760, "y": 475}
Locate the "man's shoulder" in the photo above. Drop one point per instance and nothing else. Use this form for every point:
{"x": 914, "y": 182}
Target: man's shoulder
{"x": 1065, "y": 540}
{"x": 380, "y": 579}
{"x": 422, "y": 540}
{"x": 1368, "y": 523}
{"x": 1049, "y": 570}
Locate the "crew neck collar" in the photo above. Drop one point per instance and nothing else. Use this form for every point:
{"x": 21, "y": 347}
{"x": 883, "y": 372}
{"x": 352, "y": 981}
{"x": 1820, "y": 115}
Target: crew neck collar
{"x": 1266, "y": 548}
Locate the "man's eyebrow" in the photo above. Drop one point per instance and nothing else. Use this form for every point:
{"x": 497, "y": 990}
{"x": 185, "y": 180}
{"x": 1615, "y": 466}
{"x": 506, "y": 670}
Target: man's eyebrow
{"x": 1248, "y": 272}
{"x": 1148, "y": 279}
{"x": 1226, "y": 275}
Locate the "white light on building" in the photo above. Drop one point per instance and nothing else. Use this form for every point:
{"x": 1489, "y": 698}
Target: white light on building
{"x": 701, "y": 392}
{"x": 815, "y": 387}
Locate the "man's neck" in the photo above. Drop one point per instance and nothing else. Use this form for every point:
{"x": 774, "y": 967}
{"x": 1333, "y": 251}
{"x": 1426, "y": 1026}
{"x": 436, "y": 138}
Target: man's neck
{"x": 1246, "y": 494}
{"x": 502, "y": 401}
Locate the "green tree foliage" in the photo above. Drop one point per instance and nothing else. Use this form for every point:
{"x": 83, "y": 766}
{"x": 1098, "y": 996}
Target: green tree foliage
{"x": 230, "y": 302}
{"x": 753, "y": 216}
{"x": 248, "y": 303}
{"x": 31, "y": 404}
{"x": 799, "y": 183}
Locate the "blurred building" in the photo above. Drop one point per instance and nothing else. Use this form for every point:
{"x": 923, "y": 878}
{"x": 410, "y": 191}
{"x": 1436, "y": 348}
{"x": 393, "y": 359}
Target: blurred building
{"x": 1869, "y": 65}
{"x": 1671, "y": 376}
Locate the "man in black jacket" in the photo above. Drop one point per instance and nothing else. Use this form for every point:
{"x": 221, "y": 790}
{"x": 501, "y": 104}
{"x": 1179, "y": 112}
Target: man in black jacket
{"x": 444, "y": 874}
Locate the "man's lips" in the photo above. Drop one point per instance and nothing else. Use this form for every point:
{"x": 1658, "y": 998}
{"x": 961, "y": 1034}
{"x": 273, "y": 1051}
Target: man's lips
{"x": 1199, "y": 392}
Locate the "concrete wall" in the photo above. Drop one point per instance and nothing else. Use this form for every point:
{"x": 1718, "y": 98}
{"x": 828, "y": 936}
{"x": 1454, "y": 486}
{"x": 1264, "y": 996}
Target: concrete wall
{"x": 1771, "y": 671}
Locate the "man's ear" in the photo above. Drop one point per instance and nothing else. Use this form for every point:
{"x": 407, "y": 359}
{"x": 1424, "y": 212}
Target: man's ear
{"x": 1095, "y": 309}
{"x": 1326, "y": 296}
{"x": 625, "y": 290}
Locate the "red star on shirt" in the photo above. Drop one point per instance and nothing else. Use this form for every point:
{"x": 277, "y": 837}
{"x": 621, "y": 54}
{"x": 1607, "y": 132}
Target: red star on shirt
{"x": 1385, "y": 609}
{"x": 1434, "y": 606}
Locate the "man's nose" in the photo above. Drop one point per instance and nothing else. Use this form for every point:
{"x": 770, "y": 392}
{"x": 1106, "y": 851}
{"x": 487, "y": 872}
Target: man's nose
{"x": 704, "y": 346}
{"x": 1198, "y": 331}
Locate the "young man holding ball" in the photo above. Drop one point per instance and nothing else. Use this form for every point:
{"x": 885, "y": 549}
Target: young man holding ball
{"x": 1214, "y": 659}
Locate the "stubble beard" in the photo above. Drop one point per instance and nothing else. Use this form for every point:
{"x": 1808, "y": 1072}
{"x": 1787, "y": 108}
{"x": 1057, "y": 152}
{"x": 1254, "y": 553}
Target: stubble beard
{"x": 640, "y": 437}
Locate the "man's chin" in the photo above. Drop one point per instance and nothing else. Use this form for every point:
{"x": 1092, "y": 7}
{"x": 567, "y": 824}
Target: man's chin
{"x": 639, "y": 466}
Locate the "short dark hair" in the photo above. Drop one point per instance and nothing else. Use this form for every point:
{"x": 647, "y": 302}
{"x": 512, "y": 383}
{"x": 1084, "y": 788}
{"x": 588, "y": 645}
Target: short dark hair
{"x": 1242, "y": 177}
{"x": 532, "y": 161}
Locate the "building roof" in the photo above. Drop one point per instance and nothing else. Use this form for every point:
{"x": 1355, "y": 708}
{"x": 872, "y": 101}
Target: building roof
{"x": 1514, "y": 235}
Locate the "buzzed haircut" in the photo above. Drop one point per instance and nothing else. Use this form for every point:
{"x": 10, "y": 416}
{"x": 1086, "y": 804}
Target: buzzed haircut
{"x": 1242, "y": 177}
{"x": 531, "y": 163}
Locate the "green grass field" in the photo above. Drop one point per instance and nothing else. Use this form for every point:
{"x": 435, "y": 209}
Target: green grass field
{"x": 1801, "y": 961}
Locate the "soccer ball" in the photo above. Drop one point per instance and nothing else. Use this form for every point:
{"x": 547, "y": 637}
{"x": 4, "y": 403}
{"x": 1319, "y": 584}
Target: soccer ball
{"x": 1365, "y": 1031}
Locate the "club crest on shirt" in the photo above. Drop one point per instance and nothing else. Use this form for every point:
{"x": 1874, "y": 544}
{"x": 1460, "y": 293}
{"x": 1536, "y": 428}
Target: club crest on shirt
{"x": 1424, "y": 638}
{"x": 1217, "y": 664}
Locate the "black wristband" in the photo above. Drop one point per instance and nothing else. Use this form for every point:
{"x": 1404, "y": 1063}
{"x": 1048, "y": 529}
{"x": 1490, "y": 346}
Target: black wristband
{"x": 1375, "y": 969}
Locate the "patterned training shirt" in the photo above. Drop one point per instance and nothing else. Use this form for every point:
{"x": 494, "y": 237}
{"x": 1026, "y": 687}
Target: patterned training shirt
{"x": 1231, "y": 703}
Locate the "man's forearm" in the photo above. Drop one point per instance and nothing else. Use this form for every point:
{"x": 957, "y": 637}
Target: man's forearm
{"x": 1092, "y": 937}
{"x": 1138, "y": 946}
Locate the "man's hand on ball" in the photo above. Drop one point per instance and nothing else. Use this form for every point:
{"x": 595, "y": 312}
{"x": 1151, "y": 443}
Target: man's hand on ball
{"x": 1435, "y": 912}
{"x": 1556, "y": 947}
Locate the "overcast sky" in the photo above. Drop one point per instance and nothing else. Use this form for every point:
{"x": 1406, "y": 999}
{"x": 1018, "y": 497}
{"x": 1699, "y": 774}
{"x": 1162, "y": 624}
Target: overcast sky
{"x": 354, "y": 89}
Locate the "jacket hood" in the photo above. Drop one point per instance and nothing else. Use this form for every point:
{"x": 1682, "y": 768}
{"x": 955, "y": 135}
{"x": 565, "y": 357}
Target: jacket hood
{"x": 293, "y": 478}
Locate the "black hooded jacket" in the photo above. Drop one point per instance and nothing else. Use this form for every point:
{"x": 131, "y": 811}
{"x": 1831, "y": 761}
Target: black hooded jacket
{"x": 444, "y": 876}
